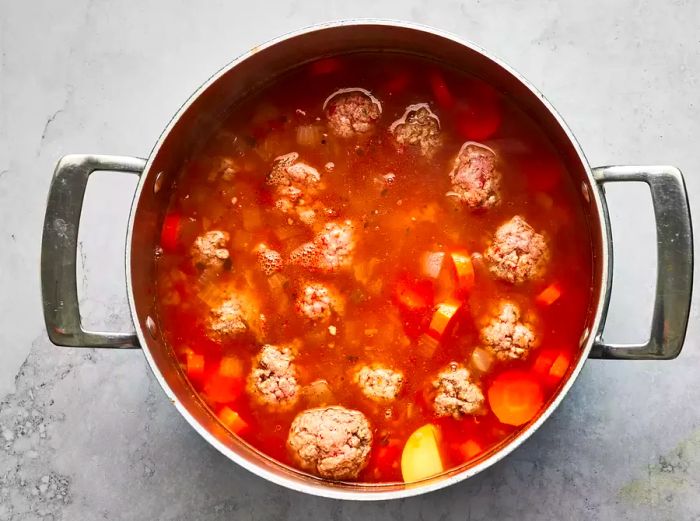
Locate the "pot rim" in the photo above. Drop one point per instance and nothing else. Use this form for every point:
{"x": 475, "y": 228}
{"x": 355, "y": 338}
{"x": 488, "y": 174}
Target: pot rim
{"x": 374, "y": 491}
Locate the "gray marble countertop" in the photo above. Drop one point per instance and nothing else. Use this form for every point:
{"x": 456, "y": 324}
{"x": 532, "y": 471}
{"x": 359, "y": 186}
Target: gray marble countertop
{"x": 88, "y": 434}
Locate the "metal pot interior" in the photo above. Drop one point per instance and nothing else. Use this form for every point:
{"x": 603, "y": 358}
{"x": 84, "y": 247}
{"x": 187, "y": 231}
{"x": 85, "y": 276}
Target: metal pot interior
{"x": 201, "y": 115}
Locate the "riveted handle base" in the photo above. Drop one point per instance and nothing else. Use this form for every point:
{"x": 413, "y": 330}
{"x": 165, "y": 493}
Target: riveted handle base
{"x": 59, "y": 249}
{"x": 674, "y": 278}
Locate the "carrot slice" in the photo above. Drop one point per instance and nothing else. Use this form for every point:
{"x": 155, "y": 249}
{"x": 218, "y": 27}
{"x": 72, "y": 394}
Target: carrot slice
{"x": 232, "y": 420}
{"x": 195, "y": 366}
{"x": 170, "y": 232}
{"x": 560, "y": 366}
{"x": 515, "y": 397}
{"x": 388, "y": 456}
{"x": 440, "y": 90}
{"x": 549, "y": 295}
{"x": 465, "y": 270}
{"x": 442, "y": 316}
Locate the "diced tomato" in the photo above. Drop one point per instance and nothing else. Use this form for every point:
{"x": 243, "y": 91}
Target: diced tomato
{"x": 549, "y": 295}
{"x": 442, "y": 316}
{"x": 479, "y": 112}
{"x": 542, "y": 173}
{"x": 232, "y": 420}
{"x": 478, "y": 122}
{"x": 388, "y": 457}
{"x": 397, "y": 83}
{"x": 326, "y": 66}
{"x": 469, "y": 449}
{"x": 223, "y": 389}
{"x": 195, "y": 366}
{"x": 515, "y": 397}
{"x": 465, "y": 271}
{"x": 170, "y": 233}
{"x": 442, "y": 93}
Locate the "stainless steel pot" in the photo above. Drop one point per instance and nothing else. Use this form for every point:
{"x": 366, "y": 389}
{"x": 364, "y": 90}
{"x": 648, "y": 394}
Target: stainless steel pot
{"x": 202, "y": 111}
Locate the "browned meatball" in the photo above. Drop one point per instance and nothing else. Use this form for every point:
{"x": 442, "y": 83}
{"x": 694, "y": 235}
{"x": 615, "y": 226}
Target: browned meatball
{"x": 330, "y": 250}
{"x": 456, "y": 394}
{"x": 351, "y": 112}
{"x": 317, "y": 301}
{"x": 419, "y": 128}
{"x": 379, "y": 383}
{"x": 272, "y": 380}
{"x": 295, "y": 184}
{"x": 517, "y": 253}
{"x": 506, "y": 336}
{"x": 233, "y": 316}
{"x": 332, "y": 442}
{"x": 475, "y": 178}
{"x": 209, "y": 251}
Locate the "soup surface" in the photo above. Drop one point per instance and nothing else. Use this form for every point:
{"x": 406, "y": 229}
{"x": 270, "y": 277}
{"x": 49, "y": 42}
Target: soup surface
{"x": 376, "y": 269}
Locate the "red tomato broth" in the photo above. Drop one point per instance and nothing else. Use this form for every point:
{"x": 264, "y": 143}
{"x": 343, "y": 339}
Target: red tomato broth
{"x": 394, "y": 226}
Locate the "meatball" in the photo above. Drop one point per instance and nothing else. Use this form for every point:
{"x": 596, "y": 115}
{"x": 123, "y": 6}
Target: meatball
{"x": 272, "y": 380}
{"x": 317, "y": 302}
{"x": 379, "y": 383}
{"x": 351, "y": 112}
{"x": 475, "y": 179}
{"x": 209, "y": 251}
{"x": 234, "y": 316}
{"x": 295, "y": 184}
{"x": 330, "y": 250}
{"x": 418, "y": 128}
{"x": 456, "y": 394}
{"x": 270, "y": 261}
{"x": 517, "y": 253}
{"x": 506, "y": 336}
{"x": 332, "y": 442}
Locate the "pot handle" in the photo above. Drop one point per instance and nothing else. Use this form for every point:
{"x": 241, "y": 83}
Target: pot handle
{"x": 59, "y": 248}
{"x": 674, "y": 276}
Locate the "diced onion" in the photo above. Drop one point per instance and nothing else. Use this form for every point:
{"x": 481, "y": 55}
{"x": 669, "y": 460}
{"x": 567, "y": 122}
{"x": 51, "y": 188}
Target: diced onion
{"x": 318, "y": 393}
{"x": 431, "y": 263}
{"x": 265, "y": 112}
{"x": 426, "y": 346}
{"x": 482, "y": 359}
{"x": 277, "y": 282}
{"x": 308, "y": 135}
